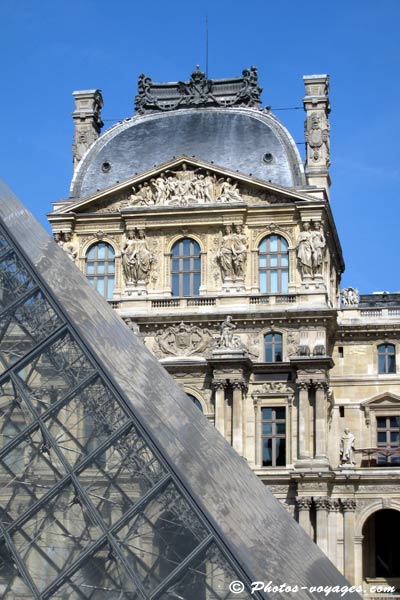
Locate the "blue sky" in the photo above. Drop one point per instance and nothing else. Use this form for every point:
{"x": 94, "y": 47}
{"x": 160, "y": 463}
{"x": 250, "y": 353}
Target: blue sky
{"x": 50, "y": 48}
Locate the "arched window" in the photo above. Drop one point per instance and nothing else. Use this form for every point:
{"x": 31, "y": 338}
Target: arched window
{"x": 273, "y": 347}
{"x": 386, "y": 358}
{"x": 195, "y": 401}
{"x": 100, "y": 268}
{"x": 273, "y": 265}
{"x": 185, "y": 271}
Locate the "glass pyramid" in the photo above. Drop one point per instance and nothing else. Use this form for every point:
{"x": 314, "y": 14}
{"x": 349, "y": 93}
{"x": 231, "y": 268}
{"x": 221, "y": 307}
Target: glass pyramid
{"x": 101, "y": 496}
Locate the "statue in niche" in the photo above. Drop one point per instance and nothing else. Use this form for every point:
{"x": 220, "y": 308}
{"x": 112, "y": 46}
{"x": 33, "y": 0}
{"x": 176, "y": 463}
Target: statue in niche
{"x": 305, "y": 252}
{"x": 347, "y": 448}
{"x": 311, "y": 246}
{"x": 137, "y": 257}
{"x": 69, "y": 247}
{"x": 239, "y": 252}
{"x": 225, "y": 254}
{"x": 232, "y": 254}
{"x": 318, "y": 243}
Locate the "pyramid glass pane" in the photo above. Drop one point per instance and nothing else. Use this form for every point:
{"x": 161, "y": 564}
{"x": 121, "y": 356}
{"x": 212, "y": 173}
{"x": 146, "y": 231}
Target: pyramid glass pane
{"x": 76, "y": 471}
{"x": 112, "y": 485}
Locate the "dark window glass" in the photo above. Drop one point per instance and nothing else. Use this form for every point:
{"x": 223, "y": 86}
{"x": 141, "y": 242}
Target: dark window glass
{"x": 100, "y": 268}
{"x": 386, "y": 358}
{"x": 388, "y": 441}
{"x": 195, "y": 401}
{"x": 273, "y": 265}
{"x": 273, "y": 347}
{"x": 273, "y": 436}
{"x": 185, "y": 268}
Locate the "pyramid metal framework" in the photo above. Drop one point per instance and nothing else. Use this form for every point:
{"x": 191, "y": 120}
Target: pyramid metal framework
{"x": 101, "y": 494}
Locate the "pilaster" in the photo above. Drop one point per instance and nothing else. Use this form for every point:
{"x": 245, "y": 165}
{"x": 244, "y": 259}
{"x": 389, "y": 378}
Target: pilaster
{"x": 349, "y": 507}
{"x": 304, "y": 505}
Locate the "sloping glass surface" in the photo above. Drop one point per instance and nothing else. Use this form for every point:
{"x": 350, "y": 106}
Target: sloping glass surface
{"x": 89, "y": 508}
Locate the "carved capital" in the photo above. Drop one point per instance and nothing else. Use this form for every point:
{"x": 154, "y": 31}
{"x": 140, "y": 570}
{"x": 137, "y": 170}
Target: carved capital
{"x": 321, "y": 503}
{"x": 303, "y": 385}
{"x": 321, "y": 385}
{"x": 348, "y": 504}
{"x": 239, "y": 384}
{"x": 333, "y": 505}
{"x": 218, "y": 384}
{"x": 303, "y": 503}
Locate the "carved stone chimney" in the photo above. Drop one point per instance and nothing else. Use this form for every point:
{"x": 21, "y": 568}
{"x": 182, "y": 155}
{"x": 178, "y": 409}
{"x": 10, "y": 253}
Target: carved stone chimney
{"x": 316, "y": 126}
{"x": 87, "y": 119}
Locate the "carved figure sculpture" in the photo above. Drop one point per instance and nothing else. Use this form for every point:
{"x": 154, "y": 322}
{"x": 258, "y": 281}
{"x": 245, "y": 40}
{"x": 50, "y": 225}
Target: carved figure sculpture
{"x": 58, "y": 239}
{"x": 347, "y": 447}
{"x": 350, "y": 296}
{"x": 317, "y": 138}
{"x": 305, "y": 251}
{"x": 69, "y": 247}
{"x": 239, "y": 252}
{"x": 318, "y": 243}
{"x": 227, "y": 338}
{"x": 229, "y": 191}
{"x": 225, "y": 254}
{"x": 137, "y": 258}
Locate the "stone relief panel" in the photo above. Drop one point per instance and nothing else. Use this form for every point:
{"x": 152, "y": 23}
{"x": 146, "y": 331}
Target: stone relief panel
{"x": 182, "y": 340}
{"x": 231, "y": 256}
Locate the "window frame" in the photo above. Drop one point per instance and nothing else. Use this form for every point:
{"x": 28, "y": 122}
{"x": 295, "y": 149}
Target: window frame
{"x": 269, "y": 269}
{"x": 185, "y": 277}
{"x": 386, "y": 461}
{"x": 107, "y": 276}
{"x": 274, "y": 345}
{"x": 274, "y": 421}
{"x": 384, "y": 352}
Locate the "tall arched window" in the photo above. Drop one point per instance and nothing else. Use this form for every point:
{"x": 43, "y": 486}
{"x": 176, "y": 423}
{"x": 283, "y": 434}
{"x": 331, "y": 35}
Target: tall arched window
{"x": 100, "y": 268}
{"x": 273, "y": 265}
{"x": 273, "y": 347}
{"x": 185, "y": 268}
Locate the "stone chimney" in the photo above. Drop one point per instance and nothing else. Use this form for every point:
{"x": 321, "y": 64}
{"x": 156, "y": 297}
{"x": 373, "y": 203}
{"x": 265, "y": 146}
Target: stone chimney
{"x": 316, "y": 127}
{"x": 87, "y": 119}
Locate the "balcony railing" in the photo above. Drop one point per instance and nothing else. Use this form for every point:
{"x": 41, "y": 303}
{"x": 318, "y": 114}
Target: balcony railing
{"x": 379, "y": 457}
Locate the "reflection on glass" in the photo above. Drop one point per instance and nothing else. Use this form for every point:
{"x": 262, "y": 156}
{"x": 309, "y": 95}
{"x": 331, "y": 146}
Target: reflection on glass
{"x": 206, "y": 578}
{"x": 160, "y": 536}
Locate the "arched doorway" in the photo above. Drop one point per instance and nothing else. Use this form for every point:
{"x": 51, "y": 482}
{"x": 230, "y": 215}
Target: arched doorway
{"x": 381, "y": 534}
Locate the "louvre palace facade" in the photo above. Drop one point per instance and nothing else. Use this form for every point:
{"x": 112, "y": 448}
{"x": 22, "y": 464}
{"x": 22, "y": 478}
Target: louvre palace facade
{"x": 199, "y": 223}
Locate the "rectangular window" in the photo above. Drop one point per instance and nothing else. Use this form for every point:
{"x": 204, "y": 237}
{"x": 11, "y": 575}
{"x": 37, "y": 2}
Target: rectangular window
{"x": 273, "y": 436}
{"x": 388, "y": 441}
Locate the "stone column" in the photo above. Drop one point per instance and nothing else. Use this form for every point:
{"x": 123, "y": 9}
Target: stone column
{"x": 238, "y": 388}
{"x": 333, "y": 508}
{"x": 358, "y": 560}
{"x": 321, "y": 419}
{"x": 304, "y": 505}
{"x": 322, "y": 506}
{"x": 304, "y": 421}
{"x": 349, "y": 507}
{"x": 219, "y": 387}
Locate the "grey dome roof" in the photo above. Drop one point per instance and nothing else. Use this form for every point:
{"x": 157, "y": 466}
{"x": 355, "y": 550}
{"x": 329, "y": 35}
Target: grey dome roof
{"x": 235, "y": 138}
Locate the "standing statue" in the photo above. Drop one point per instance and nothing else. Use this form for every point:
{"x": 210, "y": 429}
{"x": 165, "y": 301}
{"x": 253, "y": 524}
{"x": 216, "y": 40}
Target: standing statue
{"x": 137, "y": 258}
{"x": 69, "y": 247}
{"x": 305, "y": 251}
{"x": 318, "y": 243}
{"x": 227, "y": 338}
{"x": 347, "y": 448}
{"x": 239, "y": 252}
{"x": 225, "y": 254}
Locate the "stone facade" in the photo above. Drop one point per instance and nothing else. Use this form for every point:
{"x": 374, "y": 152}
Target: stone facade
{"x": 233, "y": 282}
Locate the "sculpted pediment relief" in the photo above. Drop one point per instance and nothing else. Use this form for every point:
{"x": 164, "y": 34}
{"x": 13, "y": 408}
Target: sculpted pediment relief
{"x": 183, "y": 182}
